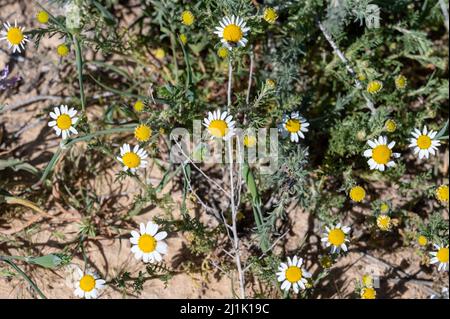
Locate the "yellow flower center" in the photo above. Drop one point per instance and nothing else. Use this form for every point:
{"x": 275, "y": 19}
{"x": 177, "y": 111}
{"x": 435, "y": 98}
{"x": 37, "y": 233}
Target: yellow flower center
{"x": 232, "y": 33}
{"x": 390, "y": 126}
{"x": 270, "y": 15}
{"x": 368, "y": 293}
{"x": 442, "y": 193}
{"x": 381, "y": 154}
{"x": 293, "y": 274}
{"x": 293, "y": 125}
{"x": 183, "y": 38}
{"x": 222, "y": 52}
{"x": 143, "y": 133}
{"x": 249, "y": 140}
{"x": 326, "y": 262}
{"x": 14, "y": 36}
{"x": 270, "y": 83}
{"x": 384, "y": 222}
{"x": 42, "y": 17}
{"x": 367, "y": 280}
{"x": 131, "y": 160}
{"x": 138, "y": 106}
{"x": 442, "y": 255}
{"x": 374, "y": 87}
{"x": 62, "y": 50}
{"x": 423, "y": 142}
{"x": 336, "y": 237}
{"x": 218, "y": 128}
{"x": 147, "y": 243}
{"x": 384, "y": 208}
{"x": 187, "y": 18}
{"x": 160, "y": 53}
{"x": 63, "y": 122}
{"x": 400, "y": 82}
{"x": 87, "y": 283}
{"x": 422, "y": 240}
{"x": 357, "y": 193}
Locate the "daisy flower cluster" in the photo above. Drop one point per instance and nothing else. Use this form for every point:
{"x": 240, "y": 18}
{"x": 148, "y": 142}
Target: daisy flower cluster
{"x": 232, "y": 34}
{"x": 147, "y": 244}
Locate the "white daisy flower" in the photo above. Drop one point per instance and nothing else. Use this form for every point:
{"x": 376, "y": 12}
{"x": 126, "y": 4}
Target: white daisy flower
{"x": 88, "y": 285}
{"x": 293, "y": 275}
{"x": 148, "y": 245}
{"x": 293, "y": 125}
{"x": 220, "y": 125}
{"x": 132, "y": 160}
{"x": 336, "y": 237}
{"x": 424, "y": 143}
{"x": 380, "y": 153}
{"x": 63, "y": 121}
{"x": 15, "y": 36}
{"x": 440, "y": 256}
{"x": 232, "y": 32}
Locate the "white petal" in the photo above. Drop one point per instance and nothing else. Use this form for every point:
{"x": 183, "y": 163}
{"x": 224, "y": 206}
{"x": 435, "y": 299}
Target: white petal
{"x": 152, "y": 228}
{"x": 157, "y": 256}
{"x": 161, "y": 247}
{"x": 161, "y": 235}
{"x": 135, "y": 249}
{"x": 285, "y": 285}
{"x": 368, "y": 153}
{"x": 142, "y": 228}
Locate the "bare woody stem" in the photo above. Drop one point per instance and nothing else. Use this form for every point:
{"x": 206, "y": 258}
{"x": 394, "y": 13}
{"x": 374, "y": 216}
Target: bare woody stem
{"x": 349, "y": 68}
{"x": 444, "y": 13}
{"x": 237, "y": 255}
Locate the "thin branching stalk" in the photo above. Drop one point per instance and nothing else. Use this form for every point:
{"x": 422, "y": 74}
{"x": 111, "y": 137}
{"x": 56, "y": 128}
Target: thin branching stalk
{"x": 236, "y": 247}
{"x": 349, "y": 68}
{"x": 209, "y": 179}
{"x": 230, "y": 80}
{"x": 444, "y": 13}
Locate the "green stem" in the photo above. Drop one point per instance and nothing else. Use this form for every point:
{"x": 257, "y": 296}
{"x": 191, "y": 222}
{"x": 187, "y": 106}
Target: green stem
{"x": 188, "y": 66}
{"x": 174, "y": 55}
{"x": 10, "y": 258}
{"x": 24, "y": 275}
{"x": 79, "y": 62}
{"x": 86, "y": 137}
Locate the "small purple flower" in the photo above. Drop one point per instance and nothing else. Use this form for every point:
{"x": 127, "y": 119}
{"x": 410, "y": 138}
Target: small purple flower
{"x": 7, "y": 83}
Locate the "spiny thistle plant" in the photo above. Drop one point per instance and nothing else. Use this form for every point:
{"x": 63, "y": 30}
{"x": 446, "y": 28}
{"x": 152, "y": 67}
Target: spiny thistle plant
{"x": 227, "y": 125}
